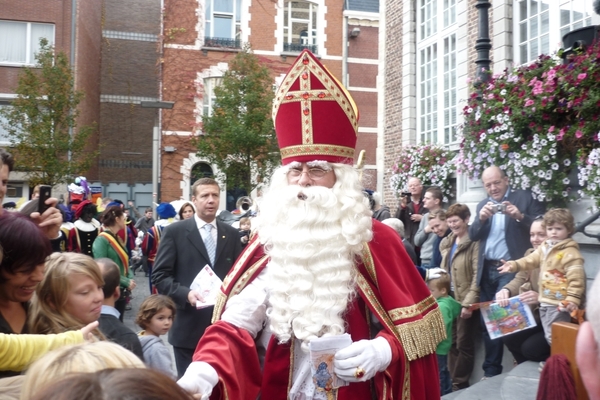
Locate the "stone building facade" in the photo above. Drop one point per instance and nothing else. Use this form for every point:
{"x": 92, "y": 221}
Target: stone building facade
{"x": 429, "y": 59}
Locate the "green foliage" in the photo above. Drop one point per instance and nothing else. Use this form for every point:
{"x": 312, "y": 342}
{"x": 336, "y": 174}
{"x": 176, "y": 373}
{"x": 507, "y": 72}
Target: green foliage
{"x": 39, "y": 120}
{"x": 239, "y": 136}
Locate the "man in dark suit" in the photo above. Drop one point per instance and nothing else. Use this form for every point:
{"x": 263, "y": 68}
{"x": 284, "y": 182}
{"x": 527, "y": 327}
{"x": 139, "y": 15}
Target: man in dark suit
{"x": 109, "y": 323}
{"x": 501, "y": 225}
{"x": 185, "y": 248}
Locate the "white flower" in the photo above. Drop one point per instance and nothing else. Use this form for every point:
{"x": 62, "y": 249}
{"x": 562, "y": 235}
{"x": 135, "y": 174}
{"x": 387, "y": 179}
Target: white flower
{"x": 541, "y": 174}
{"x": 566, "y": 181}
{"x": 546, "y": 158}
{"x": 567, "y": 162}
{"x": 554, "y": 166}
{"x": 552, "y": 151}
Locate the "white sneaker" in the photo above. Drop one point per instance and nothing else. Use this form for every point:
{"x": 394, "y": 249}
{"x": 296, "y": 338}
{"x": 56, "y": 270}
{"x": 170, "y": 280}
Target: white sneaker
{"x": 541, "y": 367}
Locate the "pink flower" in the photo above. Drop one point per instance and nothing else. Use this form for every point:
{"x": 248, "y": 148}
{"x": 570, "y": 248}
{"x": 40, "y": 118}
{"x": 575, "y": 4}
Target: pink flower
{"x": 529, "y": 102}
{"x": 560, "y": 135}
{"x": 551, "y": 129}
{"x": 581, "y": 76}
{"x": 578, "y": 134}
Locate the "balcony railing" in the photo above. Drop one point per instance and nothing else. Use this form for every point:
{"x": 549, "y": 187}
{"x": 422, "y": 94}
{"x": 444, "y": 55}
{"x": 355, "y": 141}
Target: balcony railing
{"x": 297, "y": 47}
{"x": 225, "y": 43}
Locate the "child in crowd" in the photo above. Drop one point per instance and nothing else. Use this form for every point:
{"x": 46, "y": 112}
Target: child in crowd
{"x": 450, "y": 308}
{"x": 562, "y": 277}
{"x": 245, "y": 227}
{"x": 155, "y": 316}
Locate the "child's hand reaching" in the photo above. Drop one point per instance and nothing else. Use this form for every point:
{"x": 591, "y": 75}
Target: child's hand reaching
{"x": 87, "y": 331}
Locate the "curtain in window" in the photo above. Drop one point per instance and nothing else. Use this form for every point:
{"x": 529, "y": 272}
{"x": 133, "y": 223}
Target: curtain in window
{"x": 13, "y": 42}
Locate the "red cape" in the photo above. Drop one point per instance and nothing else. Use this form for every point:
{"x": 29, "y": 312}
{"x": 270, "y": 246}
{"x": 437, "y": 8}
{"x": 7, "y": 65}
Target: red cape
{"x": 389, "y": 286}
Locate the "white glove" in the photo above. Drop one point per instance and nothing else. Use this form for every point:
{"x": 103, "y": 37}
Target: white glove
{"x": 199, "y": 378}
{"x": 370, "y": 355}
{"x": 434, "y": 273}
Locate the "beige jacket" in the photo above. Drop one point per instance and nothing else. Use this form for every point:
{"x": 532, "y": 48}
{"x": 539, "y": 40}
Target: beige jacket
{"x": 562, "y": 277}
{"x": 463, "y": 268}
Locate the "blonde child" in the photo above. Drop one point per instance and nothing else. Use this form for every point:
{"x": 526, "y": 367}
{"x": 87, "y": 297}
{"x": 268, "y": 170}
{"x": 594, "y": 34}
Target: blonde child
{"x": 562, "y": 277}
{"x": 450, "y": 308}
{"x": 156, "y": 316}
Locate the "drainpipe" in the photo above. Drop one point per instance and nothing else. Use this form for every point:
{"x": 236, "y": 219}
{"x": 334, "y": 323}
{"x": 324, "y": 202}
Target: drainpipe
{"x": 72, "y": 59}
{"x": 345, "y": 48}
{"x": 160, "y": 98}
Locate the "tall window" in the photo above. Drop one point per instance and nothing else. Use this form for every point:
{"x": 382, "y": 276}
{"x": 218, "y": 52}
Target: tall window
{"x": 436, "y": 73}
{"x": 209, "y": 94}
{"x": 223, "y": 19}
{"x": 19, "y": 41}
{"x": 300, "y": 26}
{"x": 533, "y": 22}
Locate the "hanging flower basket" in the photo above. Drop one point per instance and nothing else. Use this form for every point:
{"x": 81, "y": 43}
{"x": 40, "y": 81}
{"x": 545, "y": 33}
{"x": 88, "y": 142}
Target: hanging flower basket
{"x": 538, "y": 123}
{"x": 432, "y": 164}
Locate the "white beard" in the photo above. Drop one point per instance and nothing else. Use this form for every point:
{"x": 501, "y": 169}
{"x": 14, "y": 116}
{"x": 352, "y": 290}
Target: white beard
{"x": 312, "y": 243}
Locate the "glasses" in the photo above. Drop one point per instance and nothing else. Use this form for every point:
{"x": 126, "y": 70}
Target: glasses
{"x": 313, "y": 173}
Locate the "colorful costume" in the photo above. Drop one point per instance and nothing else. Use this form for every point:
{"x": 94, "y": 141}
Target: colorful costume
{"x": 389, "y": 288}
{"x": 316, "y": 119}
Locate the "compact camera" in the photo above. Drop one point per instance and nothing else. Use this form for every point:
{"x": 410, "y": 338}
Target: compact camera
{"x": 499, "y": 208}
{"x": 405, "y": 194}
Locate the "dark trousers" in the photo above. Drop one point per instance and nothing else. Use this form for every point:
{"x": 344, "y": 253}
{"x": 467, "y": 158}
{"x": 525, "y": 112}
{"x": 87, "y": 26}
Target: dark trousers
{"x": 528, "y": 345}
{"x": 445, "y": 382}
{"x": 491, "y": 283}
{"x": 183, "y": 359}
{"x": 120, "y": 306}
{"x": 149, "y": 271}
{"x": 461, "y": 357}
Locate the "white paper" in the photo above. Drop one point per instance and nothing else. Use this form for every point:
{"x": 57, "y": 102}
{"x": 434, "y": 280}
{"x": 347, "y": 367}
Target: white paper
{"x": 322, "y": 351}
{"x": 208, "y": 284}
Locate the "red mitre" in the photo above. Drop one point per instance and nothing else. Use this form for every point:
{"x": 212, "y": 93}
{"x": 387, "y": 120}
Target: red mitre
{"x": 314, "y": 115}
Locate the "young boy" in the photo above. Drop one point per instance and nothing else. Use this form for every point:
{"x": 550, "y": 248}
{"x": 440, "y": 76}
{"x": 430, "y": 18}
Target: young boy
{"x": 562, "y": 277}
{"x": 450, "y": 308}
{"x": 244, "y": 231}
{"x": 155, "y": 316}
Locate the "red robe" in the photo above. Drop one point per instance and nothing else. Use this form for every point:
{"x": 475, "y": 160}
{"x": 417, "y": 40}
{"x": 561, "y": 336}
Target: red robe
{"x": 389, "y": 286}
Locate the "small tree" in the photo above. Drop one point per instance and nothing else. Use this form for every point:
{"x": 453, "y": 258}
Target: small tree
{"x": 239, "y": 137}
{"x": 40, "y": 119}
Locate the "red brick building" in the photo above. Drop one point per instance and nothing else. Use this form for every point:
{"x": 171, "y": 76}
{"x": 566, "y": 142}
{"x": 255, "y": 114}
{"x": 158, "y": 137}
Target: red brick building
{"x": 73, "y": 26}
{"x": 201, "y": 36}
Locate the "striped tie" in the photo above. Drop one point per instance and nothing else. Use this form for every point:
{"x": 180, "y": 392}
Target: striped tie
{"x": 209, "y": 242}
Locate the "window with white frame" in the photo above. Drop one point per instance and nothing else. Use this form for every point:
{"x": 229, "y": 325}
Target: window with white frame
{"x": 208, "y": 101}
{"x": 300, "y": 26}
{"x": 436, "y": 71}
{"x": 19, "y": 41}
{"x": 533, "y": 19}
{"x": 223, "y": 19}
